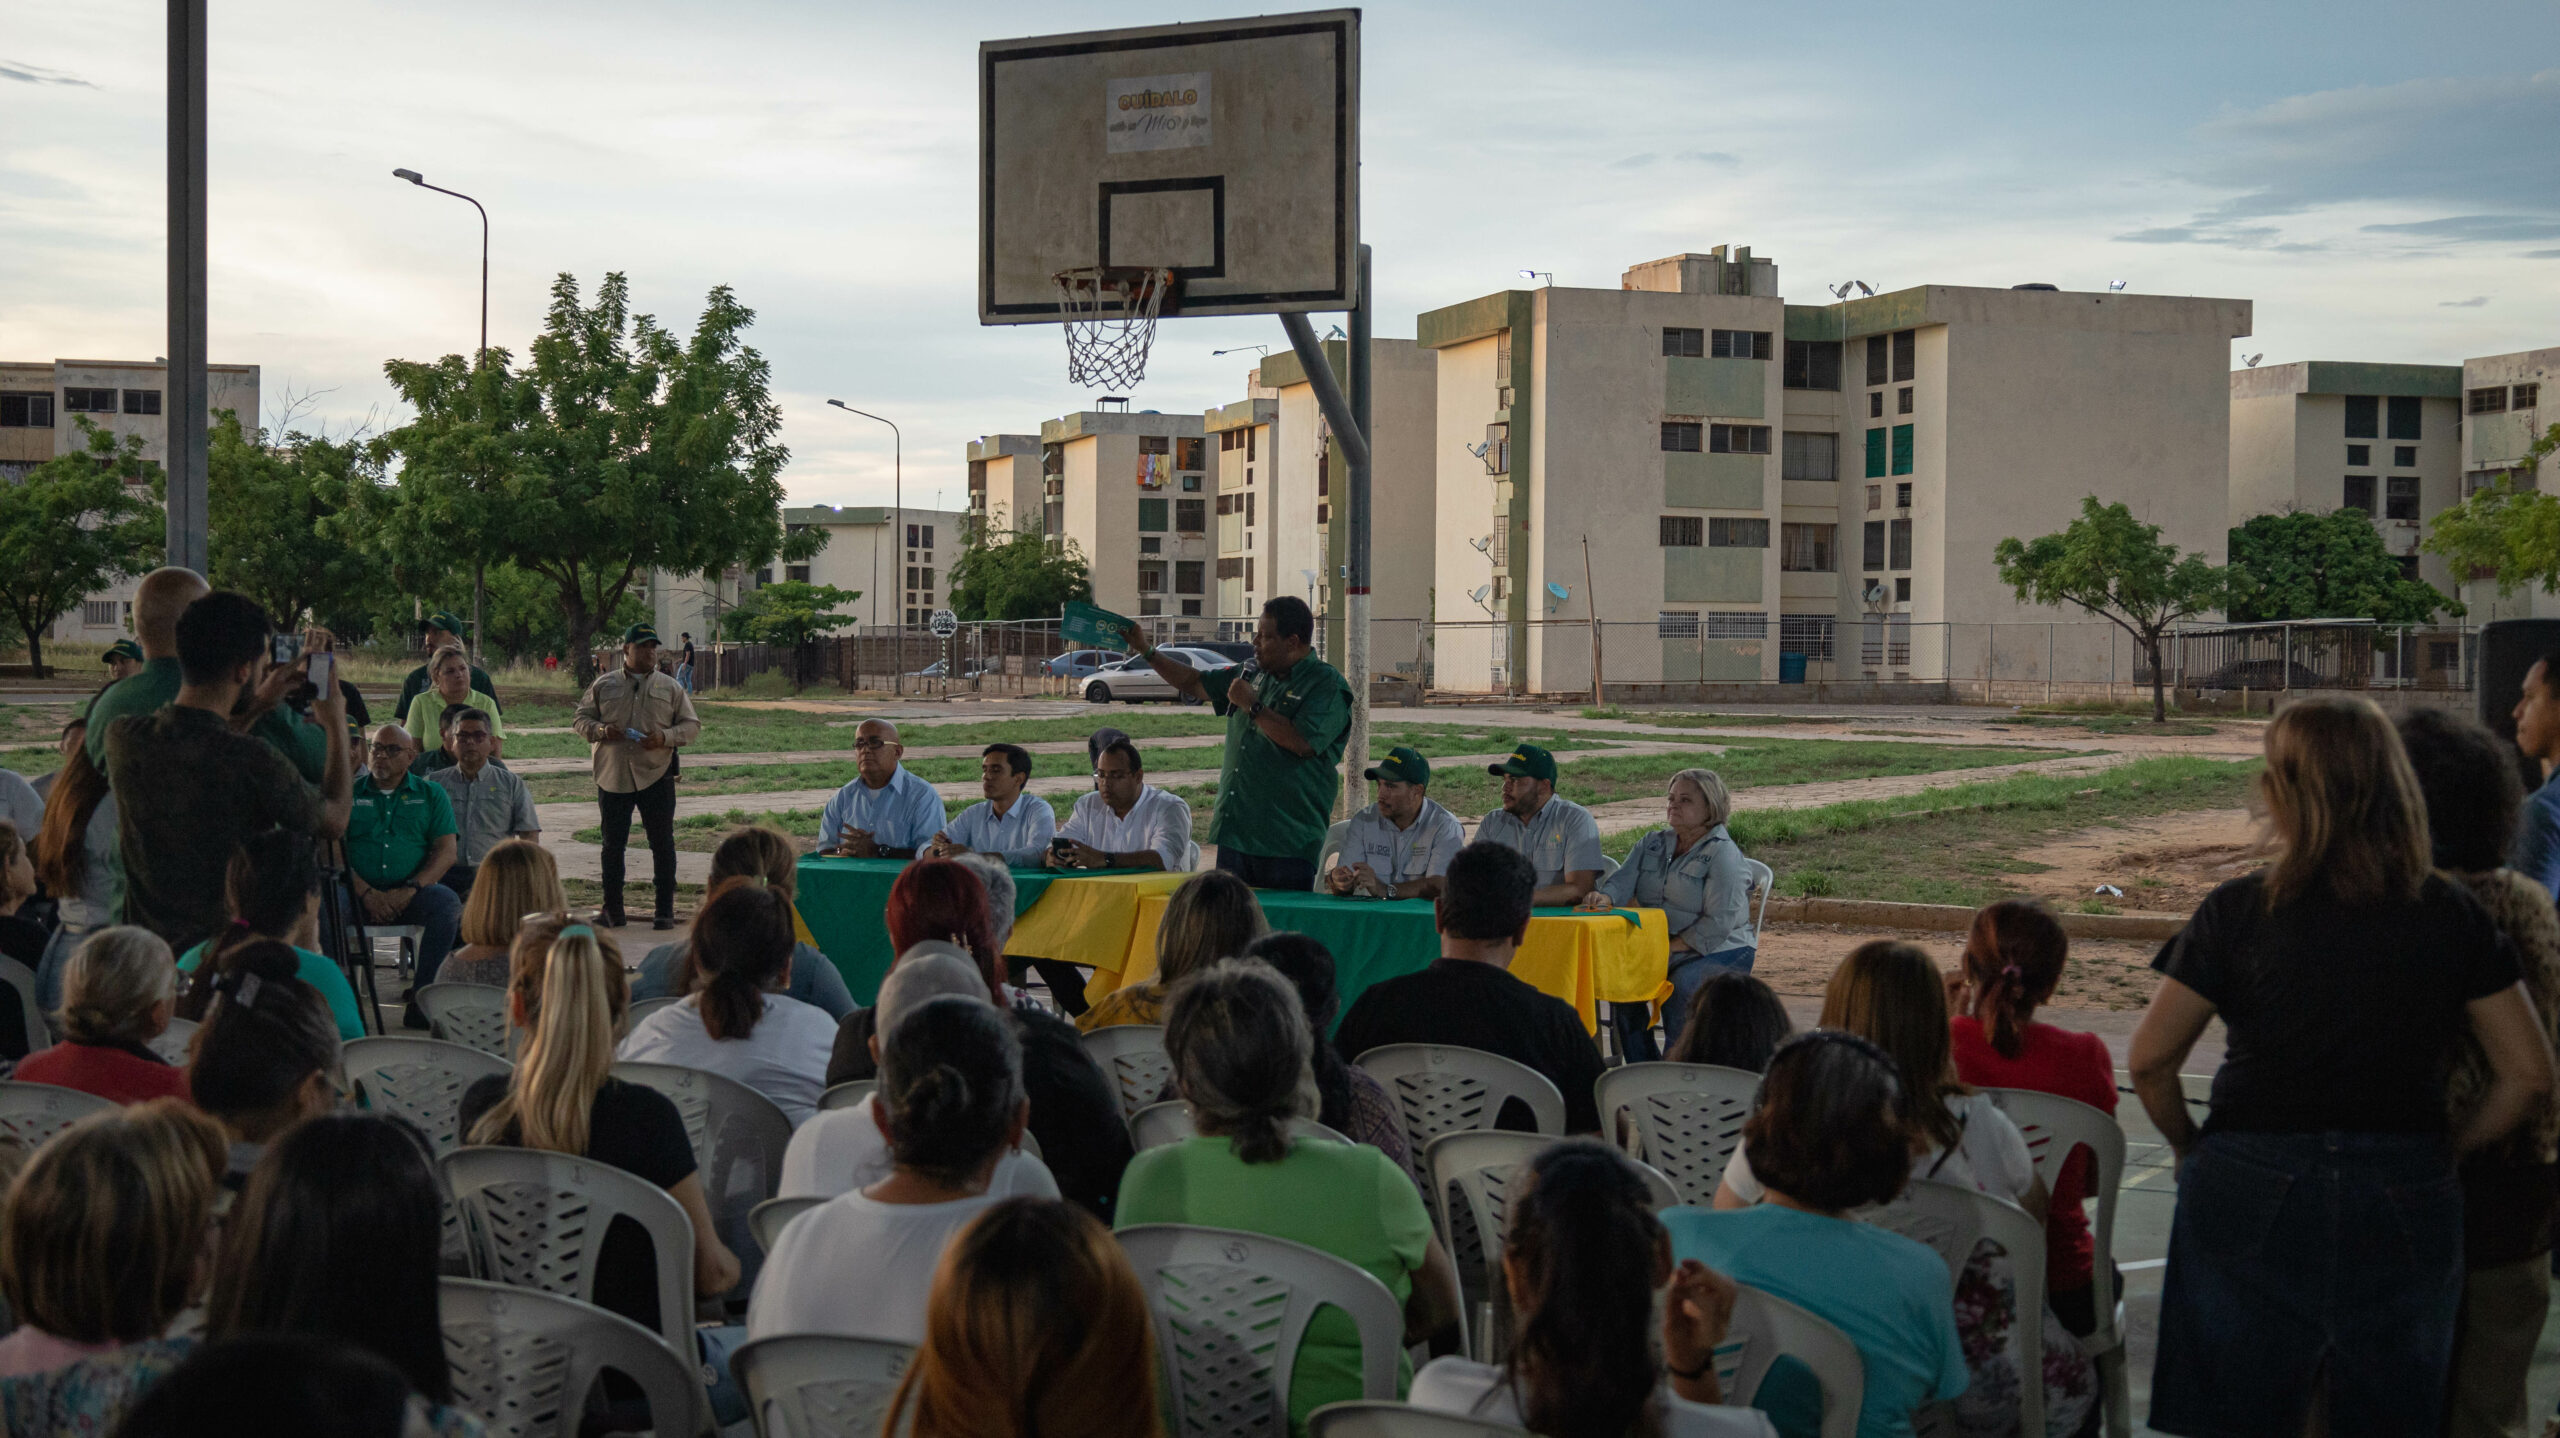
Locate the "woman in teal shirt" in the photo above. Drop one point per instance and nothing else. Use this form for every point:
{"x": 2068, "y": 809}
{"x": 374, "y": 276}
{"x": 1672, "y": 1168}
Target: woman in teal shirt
{"x": 274, "y": 888}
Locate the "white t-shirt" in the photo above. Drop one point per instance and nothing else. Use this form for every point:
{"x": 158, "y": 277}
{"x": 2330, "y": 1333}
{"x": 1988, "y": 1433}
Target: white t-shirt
{"x": 1991, "y": 1158}
{"x": 785, "y": 1058}
{"x": 1158, "y": 821}
{"x": 1476, "y": 1390}
{"x": 857, "y": 1267}
{"x": 840, "y": 1151}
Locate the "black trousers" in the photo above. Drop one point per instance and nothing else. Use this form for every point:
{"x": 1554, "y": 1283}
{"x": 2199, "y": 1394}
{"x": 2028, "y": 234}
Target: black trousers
{"x": 657, "y": 806}
{"x": 1263, "y": 871}
{"x": 1066, "y": 981}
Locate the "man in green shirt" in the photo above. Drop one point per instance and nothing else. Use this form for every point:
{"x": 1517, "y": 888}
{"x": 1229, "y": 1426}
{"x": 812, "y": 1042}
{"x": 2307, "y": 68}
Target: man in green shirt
{"x": 443, "y": 628}
{"x": 163, "y": 595}
{"x": 1288, "y": 714}
{"x": 400, "y": 841}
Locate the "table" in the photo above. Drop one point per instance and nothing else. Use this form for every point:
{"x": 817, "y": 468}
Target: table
{"x": 1077, "y": 916}
{"x": 1620, "y": 957}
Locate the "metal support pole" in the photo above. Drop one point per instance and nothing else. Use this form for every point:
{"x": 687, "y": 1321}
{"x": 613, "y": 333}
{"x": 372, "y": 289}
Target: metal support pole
{"x": 1348, "y": 416}
{"x": 184, "y": 405}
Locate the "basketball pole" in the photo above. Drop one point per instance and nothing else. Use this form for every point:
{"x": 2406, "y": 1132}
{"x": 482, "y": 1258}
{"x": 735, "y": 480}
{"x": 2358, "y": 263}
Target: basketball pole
{"x": 1349, "y": 418}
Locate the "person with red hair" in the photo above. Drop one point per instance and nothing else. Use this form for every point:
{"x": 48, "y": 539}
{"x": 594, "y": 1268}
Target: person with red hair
{"x": 941, "y": 899}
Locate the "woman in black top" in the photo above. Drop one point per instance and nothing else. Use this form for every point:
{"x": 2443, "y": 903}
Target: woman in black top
{"x": 2315, "y": 1262}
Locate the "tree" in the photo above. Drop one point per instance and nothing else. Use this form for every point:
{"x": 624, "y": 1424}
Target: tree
{"x": 623, "y": 448}
{"x": 2324, "y": 566}
{"x": 2508, "y": 531}
{"x": 272, "y": 521}
{"x": 76, "y": 524}
{"x": 2116, "y": 567}
{"x": 1019, "y": 576}
{"x": 789, "y": 614}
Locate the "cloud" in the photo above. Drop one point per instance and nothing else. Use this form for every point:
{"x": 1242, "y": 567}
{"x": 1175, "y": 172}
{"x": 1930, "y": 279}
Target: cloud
{"x": 2473, "y": 303}
{"x": 2464, "y": 228}
{"x": 2542, "y": 254}
{"x": 39, "y": 75}
{"x": 2252, "y": 237}
{"x": 1649, "y": 159}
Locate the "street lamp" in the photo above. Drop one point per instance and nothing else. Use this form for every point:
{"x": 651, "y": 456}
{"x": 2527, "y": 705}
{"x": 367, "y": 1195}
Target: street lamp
{"x": 897, "y": 536}
{"x": 1547, "y": 275}
{"x": 479, "y": 567}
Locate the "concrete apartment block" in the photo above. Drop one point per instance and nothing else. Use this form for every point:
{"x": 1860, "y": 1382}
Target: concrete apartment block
{"x": 1120, "y": 485}
{"x": 2508, "y": 401}
{"x": 1256, "y": 535}
{"x": 1005, "y": 481}
{"x": 2321, "y": 435}
{"x": 900, "y": 582}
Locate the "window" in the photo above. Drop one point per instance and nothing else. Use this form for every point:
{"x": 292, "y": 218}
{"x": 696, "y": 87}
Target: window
{"x": 1191, "y": 516}
{"x": 1502, "y": 542}
{"x": 1053, "y": 518}
{"x": 1875, "y": 405}
{"x": 2400, "y": 497}
{"x": 1683, "y": 531}
{"x": 97, "y": 613}
{"x": 1226, "y": 440}
{"x": 1906, "y": 355}
{"x": 1812, "y": 455}
{"x": 1874, "y": 556}
{"x": 1191, "y": 484}
{"x": 1812, "y": 364}
{"x": 2403, "y": 456}
{"x": 1151, "y": 545}
{"x": 912, "y": 572}
{"x": 1901, "y": 536}
{"x": 1676, "y": 624}
{"x": 1248, "y": 445}
{"x": 2359, "y": 454}
{"x": 1678, "y": 343}
{"x": 1151, "y": 577}
{"x": 2364, "y": 417}
{"x": 1738, "y": 439}
{"x": 1682, "y": 436}
{"x": 1875, "y": 497}
{"x": 2403, "y": 413}
{"x": 1152, "y": 516}
{"x": 1190, "y": 454}
{"x": 2359, "y": 493}
{"x": 1189, "y": 576}
{"x": 1738, "y": 624}
{"x": 1902, "y": 400}
{"x": 1737, "y": 534}
{"x": 1879, "y": 353}
{"x": 1739, "y": 344}
{"x": 1902, "y": 449}
{"x": 79, "y": 400}
{"x": 26, "y": 411}
{"x": 2409, "y": 570}
{"x": 1231, "y": 569}
{"x": 1155, "y": 444}
{"x": 1902, "y": 495}
{"x": 1806, "y": 548}
{"x": 142, "y": 401}
{"x": 1497, "y": 452}
{"x": 798, "y": 573}
{"x": 1148, "y": 608}
{"x": 1189, "y": 606}
{"x": 1902, "y": 591}
{"x": 2527, "y": 396}
{"x": 1248, "y": 508}
{"x": 2491, "y": 400}
{"x": 764, "y": 577}
{"x": 2478, "y": 480}
{"x": 1806, "y": 634}
{"x": 1875, "y": 453}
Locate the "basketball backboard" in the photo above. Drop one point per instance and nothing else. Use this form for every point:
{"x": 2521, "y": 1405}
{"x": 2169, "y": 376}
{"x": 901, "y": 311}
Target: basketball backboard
{"x": 1227, "y": 152}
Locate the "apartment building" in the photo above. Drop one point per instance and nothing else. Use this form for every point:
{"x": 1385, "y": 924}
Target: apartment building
{"x": 2502, "y": 415}
{"x": 1006, "y": 487}
{"x": 900, "y": 582}
{"x": 2322, "y": 435}
{"x": 41, "y": 405}
{"x": 1133, "y": 493}
{"x": 1755, "y": 479}
{"x": 1250, "y": 527}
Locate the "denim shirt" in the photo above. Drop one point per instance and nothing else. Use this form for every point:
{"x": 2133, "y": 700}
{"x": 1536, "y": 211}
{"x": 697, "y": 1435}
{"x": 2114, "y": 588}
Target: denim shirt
{"x": 1705, "y": 894}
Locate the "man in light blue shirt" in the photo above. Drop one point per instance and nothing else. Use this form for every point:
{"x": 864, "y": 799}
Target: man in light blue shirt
{"x": 1559, "y": 836}
{"x": 1014, "y": 828}
{"x": 1400, "y": 846}
{"x": 886, "y": 812}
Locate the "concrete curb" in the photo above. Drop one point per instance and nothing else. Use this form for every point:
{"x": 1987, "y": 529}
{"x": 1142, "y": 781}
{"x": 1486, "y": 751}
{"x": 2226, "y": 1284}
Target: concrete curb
{"x": 1956, "y": 918}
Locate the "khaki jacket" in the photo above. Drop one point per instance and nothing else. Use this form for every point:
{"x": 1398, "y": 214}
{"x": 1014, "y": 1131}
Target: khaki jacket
{"x": 651, "y": 703}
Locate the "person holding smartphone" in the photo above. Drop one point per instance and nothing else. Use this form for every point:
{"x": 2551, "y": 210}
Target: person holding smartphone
{"x": 635, "y": 718}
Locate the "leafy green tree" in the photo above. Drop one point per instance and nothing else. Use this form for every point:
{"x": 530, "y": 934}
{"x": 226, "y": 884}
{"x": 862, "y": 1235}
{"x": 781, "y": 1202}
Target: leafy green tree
{"x": 272, "y": 524}
{"x": 76, "y": 524}
{"x": 2324, "y": 566}
{"x": 789, "y": 614}
{"x": 2116, "y": 567}
{"x": 622, "y": 448}
{"x": 1016, "y": 576}
{"x": 2508, "y": 531}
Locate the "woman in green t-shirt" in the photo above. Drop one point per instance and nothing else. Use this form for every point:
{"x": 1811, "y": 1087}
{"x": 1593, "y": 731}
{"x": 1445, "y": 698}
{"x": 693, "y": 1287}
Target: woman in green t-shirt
{"x": 274, "y": 888}
{"x": 449, "y": 683}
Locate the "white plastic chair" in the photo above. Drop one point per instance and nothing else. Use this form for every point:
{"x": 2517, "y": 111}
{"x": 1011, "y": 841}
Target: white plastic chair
{"x": 1763, "y": 880}
{"x": 846, "y": 1094}
{"x": 1683, "y": 1119}
{"x": 1230, "y": 1308}
{"x": 1952, "y": 1220}
{"x": 1471, "y": 1176}
{"x": 1442, "y": 1088}
{"x": 769, "y": 1218}
{"x": 37, "y": 1034}
{"x": 1159, "y": 1124}
{"x": 523, "y": 1361}
{"x": 535, "y": 1219}
{"x": 645, "y": 1007}
{"x": 474, "y": 1015}
{"x": 405, "y": 937}
{"x": 808, "y": 1385}
{"x": 421, "y": 1080}
{"x": 738, "y": 1138}
{"x": 1133, "y": 1057}
{"x": 172, "y": 1043}
{"x": 2054, "y": 1127}
{"x": 1396, "y": 1420}
{"x": 1765, "y": 1328}
{"x": 1329, "y": 853}
{"x": 34, "y": 1112}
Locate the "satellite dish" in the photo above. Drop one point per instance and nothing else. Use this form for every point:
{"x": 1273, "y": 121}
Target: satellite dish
{"x": 2252, "y": 361}
{"x": 1877, "y": 596}
{"x": 1558, "y": 590}
{"x": 2114, "y": 286}
{"x": 1479, "y": 592}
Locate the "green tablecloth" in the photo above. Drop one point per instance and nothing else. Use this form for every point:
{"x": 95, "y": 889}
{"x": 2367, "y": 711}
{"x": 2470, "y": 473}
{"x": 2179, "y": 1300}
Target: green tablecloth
{"x": 844, "y": 901}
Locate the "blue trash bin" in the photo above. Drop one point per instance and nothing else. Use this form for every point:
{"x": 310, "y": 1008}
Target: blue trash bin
{"x": 1790, "y": 668}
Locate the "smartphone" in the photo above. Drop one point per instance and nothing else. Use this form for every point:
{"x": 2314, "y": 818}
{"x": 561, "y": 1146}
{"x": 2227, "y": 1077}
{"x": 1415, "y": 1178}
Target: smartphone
{"x": 285, "y": 648}
{"x": 1062, "y": 847}
{"x": 635, "y": 736}
{"x": 322, "y": 679}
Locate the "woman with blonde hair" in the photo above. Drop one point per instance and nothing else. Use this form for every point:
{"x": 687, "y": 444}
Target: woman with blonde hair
{"x": 1691, "y": 870}
{"x": 1037, "y": 1324}
{"x": 567, "y": 994}
{"x": 518, "y": 878}
{"x": 2346, "y": 974}
{"x": 766, "y": 856}
{"x": 118, "y": 996}
{"x": 449, "y": 682}
{"x": 1213, "y": 916}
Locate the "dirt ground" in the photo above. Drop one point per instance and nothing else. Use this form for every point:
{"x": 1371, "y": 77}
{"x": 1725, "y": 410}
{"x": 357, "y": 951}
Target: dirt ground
{"x": 2104, "y": 974}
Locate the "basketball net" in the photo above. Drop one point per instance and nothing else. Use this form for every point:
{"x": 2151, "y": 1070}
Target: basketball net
{"x": 1110, "y": 318}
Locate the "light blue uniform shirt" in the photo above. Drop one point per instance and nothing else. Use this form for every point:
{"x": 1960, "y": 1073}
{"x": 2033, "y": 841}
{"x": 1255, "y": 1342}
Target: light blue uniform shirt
{"x": 1559, "y": 839}
{"x": 1704, "y": 894}
{"x": 901, "y": 814}
{"x": 1017, "y": 838}
{"x": 2536, "y": 853}
{"x": 1401, "y": 856}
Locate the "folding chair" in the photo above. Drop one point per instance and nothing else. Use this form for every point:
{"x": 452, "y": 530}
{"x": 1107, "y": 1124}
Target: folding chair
{"x": 770, "y": 1217}
{"x": 419, "y": 1079}
{"x": 1765, "y": 1328}
{"x": 1952, "y": 1220}
{"x": 31, "y": 1113}
{"x": 1396, "y": 1420}
{"x": 537, "y": 1220}
{"x": 523, "y": 1362}
{"x": 1133, "y": 1056}
{"x": 738, "y": 1138}
{"x": 1441, "y": 1088}
{"x": 1471, "y": 1176}
{"x": 2055, "y": 1127}
{"x": 1684, "y": 1119}
{"x": 645, "y": 1007}
{"x": 807, "y": 1385}
{"x": 174, "y": 1040}
{"x": 847, "y": 1094}
{"x": 474, "y": 1015}
{"x": 37, "y": 1033}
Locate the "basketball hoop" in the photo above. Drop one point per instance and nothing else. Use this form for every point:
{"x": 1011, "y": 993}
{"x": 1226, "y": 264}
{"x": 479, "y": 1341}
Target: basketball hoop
{"x": 1110, "y": 316}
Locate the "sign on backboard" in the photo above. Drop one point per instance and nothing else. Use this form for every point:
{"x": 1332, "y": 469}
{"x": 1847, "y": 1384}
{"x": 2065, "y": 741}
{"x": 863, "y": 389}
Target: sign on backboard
{"x": 1227, "y": 152}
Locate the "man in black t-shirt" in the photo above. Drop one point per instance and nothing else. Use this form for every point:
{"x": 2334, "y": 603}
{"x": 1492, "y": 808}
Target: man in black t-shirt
{"x": 1469, "y": 998}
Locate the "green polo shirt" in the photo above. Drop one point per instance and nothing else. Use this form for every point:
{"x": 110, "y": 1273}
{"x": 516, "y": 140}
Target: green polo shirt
{"x": 296, "y": 738}
{"x": 388, "y": 834}
{"x": 1270, "y": 801}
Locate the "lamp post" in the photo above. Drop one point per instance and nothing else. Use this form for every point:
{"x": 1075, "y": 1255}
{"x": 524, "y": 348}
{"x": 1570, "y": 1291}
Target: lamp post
{"x": 897, "y": 537}
{"x": 479, "y": 564}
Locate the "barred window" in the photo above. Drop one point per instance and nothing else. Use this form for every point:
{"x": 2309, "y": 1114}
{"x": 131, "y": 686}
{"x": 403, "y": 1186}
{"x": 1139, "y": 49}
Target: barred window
{"x": 2489, "y": 400}
{"x": 1812, "y": 455}
{"x": 1676, "y": 624}
{"x": 1738, "y": 624}
{"x": 1737, "y": 438}
{"x": 1737, "y": 534}
{"x": 2527, "y": 396}
{"x": 1901, "y": 544}
{"x": 1682, "y": 436}
{"x": 1740, "y": 344}
{"x": 1806, "y": 548}
{"x": 1678, "y": 343}
{"x": 1683, "y": 531}
{"x": 1806, "y": 634}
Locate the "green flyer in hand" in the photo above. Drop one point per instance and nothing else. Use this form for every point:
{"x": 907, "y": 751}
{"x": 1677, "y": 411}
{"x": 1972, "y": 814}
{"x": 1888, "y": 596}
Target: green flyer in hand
{"x": 1087, "y": 624}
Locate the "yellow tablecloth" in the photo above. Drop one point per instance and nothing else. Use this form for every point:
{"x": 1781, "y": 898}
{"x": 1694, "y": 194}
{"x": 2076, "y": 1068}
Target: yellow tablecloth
{"x": 1089, "y": 920}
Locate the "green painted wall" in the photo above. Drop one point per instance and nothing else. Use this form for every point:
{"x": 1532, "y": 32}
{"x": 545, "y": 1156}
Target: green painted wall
{"x": 1714, "y": 481}
{"x": 1472, "y": 320}
{"x": 1724, "y": 388}
{"x": 1711, "y": 576}
{"x": 2430, "y": 381}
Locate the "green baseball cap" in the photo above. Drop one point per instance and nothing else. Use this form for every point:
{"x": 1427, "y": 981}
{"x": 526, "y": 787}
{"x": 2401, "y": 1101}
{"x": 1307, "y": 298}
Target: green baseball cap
{"x": 1529, "y": 762}
{"x": 122, "y": 649}
{"x": 449, "y": 622}
{"x": 1402, "y": 764}
{"x": 640, "y": 634}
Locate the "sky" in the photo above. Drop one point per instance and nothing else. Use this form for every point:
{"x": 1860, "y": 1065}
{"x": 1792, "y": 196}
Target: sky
{"x": 2378, "y": 178}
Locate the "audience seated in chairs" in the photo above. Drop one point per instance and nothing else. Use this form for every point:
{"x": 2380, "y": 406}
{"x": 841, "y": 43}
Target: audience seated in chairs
{"x": 117, "y": 998}
{"x": 763, "y": 853}
{"x": 1240, "y": 1047}
{"x": 1212, "y": 916}
{"x": 1348, "y": 1100}
{"x": 862, "y": 1264}
{"x": 1469, "y": 998}
{"x": 274, "y": 887}
{"x": 1735, "y": 1021}
{"x": 933, "y": 901}
{"x": 101, "y": 1248}
{"x": 848, "y": 1148}
{"x": 568, "y": 996}
{"x": 1583, "y": 1257}
{"x": 739, "y": 1024}
{"x": 1037, "y": 1325}
{"x": 339, "y": 1236}
{"x": 516, "y": 878}
{"x": 280, "y": 1385}
{"x": 1832, "y": 1131}
{"x": 268, "y": 1054}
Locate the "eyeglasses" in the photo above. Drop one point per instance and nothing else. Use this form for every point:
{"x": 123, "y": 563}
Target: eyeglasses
{"x": 390, "y": 749}
{"x": 869, "y": 746}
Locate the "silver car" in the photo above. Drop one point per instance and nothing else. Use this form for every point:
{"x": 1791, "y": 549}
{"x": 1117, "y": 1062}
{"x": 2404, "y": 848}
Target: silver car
{"x": 1133, "y": 680}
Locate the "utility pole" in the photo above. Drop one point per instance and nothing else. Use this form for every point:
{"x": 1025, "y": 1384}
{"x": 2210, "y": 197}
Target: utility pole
{"x": 1591, "y": 601}
{"x": 184, "y": 406}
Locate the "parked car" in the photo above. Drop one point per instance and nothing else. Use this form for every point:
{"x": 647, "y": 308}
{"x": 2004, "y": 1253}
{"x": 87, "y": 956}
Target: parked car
{"x": 1231, "y": 651}
{"x": 1077, "y": 663}
{"x": 1134, "y": 680}
{"x": 968, "y": 670}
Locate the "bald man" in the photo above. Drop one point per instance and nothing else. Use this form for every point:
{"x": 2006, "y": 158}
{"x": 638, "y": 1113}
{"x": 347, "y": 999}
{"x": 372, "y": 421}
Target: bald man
{"x": 163, "y": 595}
{"x": 886, "y": 812}
{"x": 400, "y": 841}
